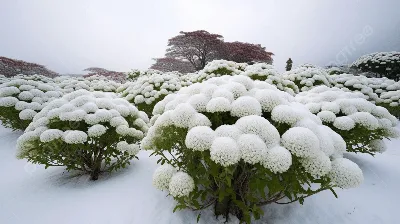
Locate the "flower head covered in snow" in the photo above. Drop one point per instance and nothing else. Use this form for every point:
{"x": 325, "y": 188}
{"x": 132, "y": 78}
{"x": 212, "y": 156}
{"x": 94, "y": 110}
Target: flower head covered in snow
{"x": 214, "y": 133}
{"x": 85, "y": 123}
{"x": 146, "y": 91}
{"x": 22, "y": 97}
{"x": 348, "y": 111}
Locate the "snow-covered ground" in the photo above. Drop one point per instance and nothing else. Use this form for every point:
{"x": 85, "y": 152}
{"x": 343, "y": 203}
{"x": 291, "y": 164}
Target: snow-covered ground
{"x": 31, "y": 194}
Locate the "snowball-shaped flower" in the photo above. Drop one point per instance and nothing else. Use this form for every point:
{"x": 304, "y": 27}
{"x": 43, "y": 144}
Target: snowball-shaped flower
{"x": 97, "y": 130}
{"x": 251, "y": 147}
{"x": 345, "y": 173}
{"x": 50, "y": 135}
{"x": 75, "y": 137}
{"x": 225, "y": 151}
{"x": 277, "y": 159}
{"x": 8, "y": 101}
{"x": 331, "y": 106}
{"x": 259, "y": 126}
{"x": 300, "y": 141}
{"x": 327, "y": 116}
{"x": 284, "y": 114}
{"x": 230, "y": 131}
{"x": 317, "y": 165}
{"x": 162, "y": 176}
{"x": 365, "y": 119}
{"x": 182, "y": 115}
{"x": 27, "y": 114}
{"x": 181, "y": 184}
{"x": 244, "y": 106}
{"x": 268, "y": 99}
{"x": 218, "y": 104}
{"x": 344, "y": 123}
{"x": 200, "y": 138}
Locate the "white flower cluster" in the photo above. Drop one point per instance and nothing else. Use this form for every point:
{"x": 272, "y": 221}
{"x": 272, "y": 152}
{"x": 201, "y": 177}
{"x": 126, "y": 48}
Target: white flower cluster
{"x": 306, "y": 77}
{"x": 28, "y": 95}
{"x": 151, "y": 88}
{"x": 179, "y": 184}
{"x": 252, "y": 138}
{"x": 218, "y": 68}
{"x": 377, "y": 59}
{"x": 328, "y": 103}
{"x": 268, "y": 73}
{"x": 69, "y": 84}
{"x": 100, "y": 111}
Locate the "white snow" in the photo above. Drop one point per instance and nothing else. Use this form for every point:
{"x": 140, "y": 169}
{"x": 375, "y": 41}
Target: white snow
{"x": 31, "y": 194}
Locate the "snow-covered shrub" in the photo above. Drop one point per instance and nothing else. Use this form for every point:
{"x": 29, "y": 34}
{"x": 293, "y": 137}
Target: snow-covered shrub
{"x": 134, "y": 74}
{"x": 22, "y": 99}
{"x": 357, "y": 120}
{"x": 307, "y": 76}
{"x": 3, "y": 79}
{"x": 238, "y": 144}
{"x": 266, "y": 72}
{"x": 391, "y": 101}
{"x": 149, "y": 90}
{"x": 87, "y": 131}
{"x": 383, "y": 63}
{"x": 218, "y": 68}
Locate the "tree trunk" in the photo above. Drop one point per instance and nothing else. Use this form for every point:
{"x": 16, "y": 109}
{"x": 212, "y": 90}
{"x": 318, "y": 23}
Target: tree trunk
{"x": 94, "y": 174}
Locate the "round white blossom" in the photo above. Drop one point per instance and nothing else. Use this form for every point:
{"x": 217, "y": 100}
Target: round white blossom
{"x": 378, "y": 145}
{"x": 300, "y": 141}
{"x": 344, "y": 123}
{"x": 218, "y": 104}
{"x": 200, "y": 138}
{"x": 259, "y": 126}
{"x": 317, "y": 165}
{"x": 327, "y": 116}
{"x": 225, "y": 151}
{"x": 230, "y": 131}
{"x": 75, "y": 137}
{"x": 244, "y": 106}
{"x": 277, "y": 159}
{"x": 97, "y": 130}
{"x": 345, "y": 173}
{"x": 51, "y": 134}
{"x": 162, "y": 176}
{"x": 181, "y": 184}
{"x": 251, "y": 147}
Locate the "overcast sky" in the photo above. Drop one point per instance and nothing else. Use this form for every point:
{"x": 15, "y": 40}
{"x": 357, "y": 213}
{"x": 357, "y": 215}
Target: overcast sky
{"x": 70, "y": 35}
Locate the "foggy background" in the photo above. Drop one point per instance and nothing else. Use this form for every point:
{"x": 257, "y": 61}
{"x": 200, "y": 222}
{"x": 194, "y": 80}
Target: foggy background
{"x": 69, "y": 36}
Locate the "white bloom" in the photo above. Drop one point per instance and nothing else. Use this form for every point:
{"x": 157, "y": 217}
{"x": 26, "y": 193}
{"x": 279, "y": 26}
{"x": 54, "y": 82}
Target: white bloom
{"x": 181, "y": 184}
{"x": 345, "y": 173}
{"x": 8, "y": 101}
{"x": 27, "y": 114}
{"x": 182, "y": 115}
{"x": 97, "y": 130}
{"x": 313, "y": 107}
{"x": 162, "y": 176}
{"x": 251, "y": 147}
{"x": 344, "y": 123}
{"x": 285, "y": 114}
{"x": 200, "y": 138}
{"x": 50, "y": 135}
{"x": 75, "y": 137}
{"x": 317, "y": 165}
{"x": 268, "y": 99}
{"x": 199, "y": 102}
{"x": 230, "y": 131}
{"x": 117, "y": 121}
{"x": 277, "y": 159}
{"x": 366, "y": 120}
{"x": 199, "y": 120}
{"x": 300, "y": 141}
{"x": 327, "y": 116}
{"x": 244, "y": 106}
{"x": 225, "y": 151}
{"x": 259, "y": 126}
{"x": 331, "y": 106}
{"x": 218, "y": 104}
{"x": 223, "y": 93}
